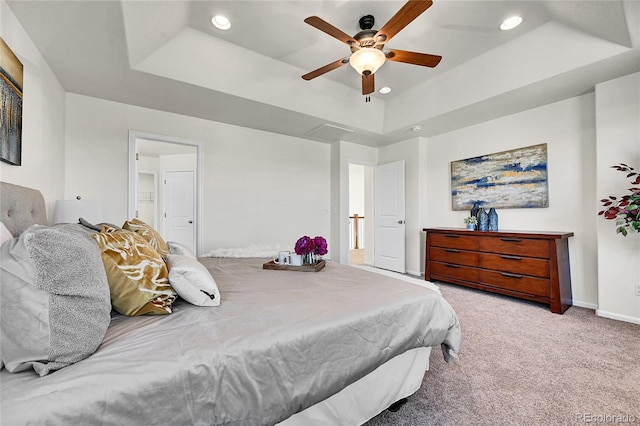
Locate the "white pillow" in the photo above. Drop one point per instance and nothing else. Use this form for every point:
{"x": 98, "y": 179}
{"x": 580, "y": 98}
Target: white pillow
{"x": 191, "y": 280}
{"x": 178, "y": 248}
{"x": 5, "y": 235}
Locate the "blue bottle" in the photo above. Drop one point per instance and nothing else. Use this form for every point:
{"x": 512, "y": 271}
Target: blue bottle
{"x": 483, "y": 220}
{"x": 493, "y": 219}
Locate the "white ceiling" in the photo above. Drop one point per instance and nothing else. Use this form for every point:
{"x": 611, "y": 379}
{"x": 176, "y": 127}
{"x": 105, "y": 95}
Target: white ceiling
{"x": 166, "y": 55}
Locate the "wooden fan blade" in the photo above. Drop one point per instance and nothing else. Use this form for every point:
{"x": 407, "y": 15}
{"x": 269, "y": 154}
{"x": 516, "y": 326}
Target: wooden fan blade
{"x": 325, "y": 69}
{"x": 326, "y": 27}
{"x": 407, "y": 13}
{"x": 368, "y": 84}
{"x": 414, "y": 58}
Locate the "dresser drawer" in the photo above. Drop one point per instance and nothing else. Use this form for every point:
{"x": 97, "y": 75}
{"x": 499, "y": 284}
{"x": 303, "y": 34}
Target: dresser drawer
{"x": 452, "y": 240}
{"x": 454, "y": 271}
{"x": 515, "y": 264}
{"x": 515, "y": 246}
{"x": 450, "y": 255}
{"x": 516, "y": 282}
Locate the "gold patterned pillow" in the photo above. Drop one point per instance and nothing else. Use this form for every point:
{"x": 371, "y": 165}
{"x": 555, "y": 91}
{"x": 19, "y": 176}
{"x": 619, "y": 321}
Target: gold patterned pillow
{"x": 137, "y": 275}
{"x": 149, "y": 234}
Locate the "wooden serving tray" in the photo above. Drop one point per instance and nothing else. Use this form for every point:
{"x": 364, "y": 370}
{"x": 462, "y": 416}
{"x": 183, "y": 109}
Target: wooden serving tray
{"x": 304, "y": 268}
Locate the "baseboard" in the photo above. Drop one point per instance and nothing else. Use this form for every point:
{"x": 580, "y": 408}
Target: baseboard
{"x": 611, "y": 315}
{"x": 587, "y": 305}
{"x": 415, "y": 274}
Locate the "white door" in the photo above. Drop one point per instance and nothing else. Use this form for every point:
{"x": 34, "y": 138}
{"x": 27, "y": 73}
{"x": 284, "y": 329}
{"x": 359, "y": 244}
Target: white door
{"x": 179, "y": 207}
{"x": 389, "y": 212}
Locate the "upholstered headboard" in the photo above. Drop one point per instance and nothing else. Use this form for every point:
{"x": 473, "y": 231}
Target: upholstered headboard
{"x": 21, "y": 207}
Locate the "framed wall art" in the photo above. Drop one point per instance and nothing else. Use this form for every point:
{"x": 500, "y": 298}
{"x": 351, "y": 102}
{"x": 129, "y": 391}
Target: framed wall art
{"x": 508, "y": 179}
{"x": 11, "y": 113}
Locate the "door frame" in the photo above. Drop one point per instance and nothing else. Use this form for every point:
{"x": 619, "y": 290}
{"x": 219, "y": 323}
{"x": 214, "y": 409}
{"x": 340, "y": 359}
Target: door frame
{"x": 134, "y": 135}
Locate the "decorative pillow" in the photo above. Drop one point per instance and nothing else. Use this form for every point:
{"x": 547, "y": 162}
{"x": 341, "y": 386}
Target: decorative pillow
{"x": 192, "y": 281}
{"x": 97, "y": 227}
{"x": 137, "y": 275}
{"x": 149, "y": 234}
{"x": 54, "y": 298}
{"x": 5, "y": 235}
{"x": 177, "y": 248}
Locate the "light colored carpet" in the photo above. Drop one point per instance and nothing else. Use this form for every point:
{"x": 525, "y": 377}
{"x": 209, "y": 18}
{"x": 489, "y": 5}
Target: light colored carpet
{"x": 520, "y": 364}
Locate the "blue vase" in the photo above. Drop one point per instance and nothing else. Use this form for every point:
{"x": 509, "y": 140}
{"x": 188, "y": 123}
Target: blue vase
{"x": 483, "y": 220}
{"x": 475, "y": 209}
{"x": 493, "y": 219}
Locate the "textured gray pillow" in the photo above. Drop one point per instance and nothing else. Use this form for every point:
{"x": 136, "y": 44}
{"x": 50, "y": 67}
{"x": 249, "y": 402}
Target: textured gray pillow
{"x": 54, "y": 298}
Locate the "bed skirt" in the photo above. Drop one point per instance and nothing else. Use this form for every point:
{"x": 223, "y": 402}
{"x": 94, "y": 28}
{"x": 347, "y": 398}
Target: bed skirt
{"x": 398, "y": 378}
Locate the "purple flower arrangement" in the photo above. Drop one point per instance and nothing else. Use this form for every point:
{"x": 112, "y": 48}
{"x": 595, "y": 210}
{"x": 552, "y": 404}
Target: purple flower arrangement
{"x": 308, "y": 245}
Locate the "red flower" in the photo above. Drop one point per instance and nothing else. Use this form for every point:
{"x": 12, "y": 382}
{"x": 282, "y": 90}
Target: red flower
{"x": 321, "y": 245}
{"x": 305, "y": 245}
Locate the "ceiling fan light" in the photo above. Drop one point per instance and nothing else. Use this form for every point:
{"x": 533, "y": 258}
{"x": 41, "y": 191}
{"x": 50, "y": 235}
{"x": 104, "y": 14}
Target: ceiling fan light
{"x": 367, "y": 60}
{"x": 510, "y": 23}
{"x": 221, "y": 22}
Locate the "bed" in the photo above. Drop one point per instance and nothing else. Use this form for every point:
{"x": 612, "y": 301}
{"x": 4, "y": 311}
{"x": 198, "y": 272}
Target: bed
{"x": 333, "y": 347}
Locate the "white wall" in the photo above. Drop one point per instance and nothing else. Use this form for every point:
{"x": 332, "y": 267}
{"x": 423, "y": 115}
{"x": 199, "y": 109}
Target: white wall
{"x": 356, "y": 189}
{"x": 618, "y": 131}
{"x": 567, "y": 127}
{"x": 42, "y": 117}
{"x": 259, "y": 187}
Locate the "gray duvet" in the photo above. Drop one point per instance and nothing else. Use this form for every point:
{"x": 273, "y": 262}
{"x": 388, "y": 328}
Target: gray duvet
{"x": 280, "y": 342}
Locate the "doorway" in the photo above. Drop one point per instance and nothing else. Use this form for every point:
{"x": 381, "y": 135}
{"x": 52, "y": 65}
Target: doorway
{"x": 377, "y": 238}
{"x": 158, "y": 155}
{"x": 148, "y": 197}
{"x": 361, "y": 240}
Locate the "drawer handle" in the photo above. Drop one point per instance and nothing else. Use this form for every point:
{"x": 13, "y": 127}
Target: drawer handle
{"x": 511, "y": 257}
{"x": 451, "y": 266}
{"x": 512, "y": 240}
{"x": 452, "y": 251}
{"x": 506, "y": 274}
{"x": 452, "y": 236}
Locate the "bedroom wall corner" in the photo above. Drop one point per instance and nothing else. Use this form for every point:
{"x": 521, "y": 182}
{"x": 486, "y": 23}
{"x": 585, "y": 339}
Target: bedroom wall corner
{"x": 618, "y": 141}
{"x": 259, "y": 188}
{"x": 43, "y": 118}
{"x": 568, "y": 129}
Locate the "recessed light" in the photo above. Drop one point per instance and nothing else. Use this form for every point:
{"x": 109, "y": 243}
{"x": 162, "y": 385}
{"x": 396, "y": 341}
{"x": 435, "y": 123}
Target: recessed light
{"x": 221, "y": 22}
{"x": 510, "y": 23}
{"x": 416, "y": 128}
{"x": 385, "y": 89}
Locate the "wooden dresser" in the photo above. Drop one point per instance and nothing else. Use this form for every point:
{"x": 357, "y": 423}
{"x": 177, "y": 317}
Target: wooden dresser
{"x": 528, "y": 265}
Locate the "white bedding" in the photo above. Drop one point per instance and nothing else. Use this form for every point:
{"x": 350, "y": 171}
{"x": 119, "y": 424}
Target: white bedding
{"x": 279, "y": 342}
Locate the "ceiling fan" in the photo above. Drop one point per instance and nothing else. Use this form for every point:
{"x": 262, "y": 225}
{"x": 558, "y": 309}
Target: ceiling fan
{"x": 367, "y": 54}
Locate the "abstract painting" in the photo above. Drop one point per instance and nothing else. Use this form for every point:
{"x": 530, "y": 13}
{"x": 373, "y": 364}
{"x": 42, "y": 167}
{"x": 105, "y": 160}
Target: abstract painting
{"x": 508, "y": 179}
{"x": 11, "y": 99}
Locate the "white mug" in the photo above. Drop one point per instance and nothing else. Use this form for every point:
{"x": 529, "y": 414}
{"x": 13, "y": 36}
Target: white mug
{"x": 296, "y": 259}
{"x": 282, "y": 258}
